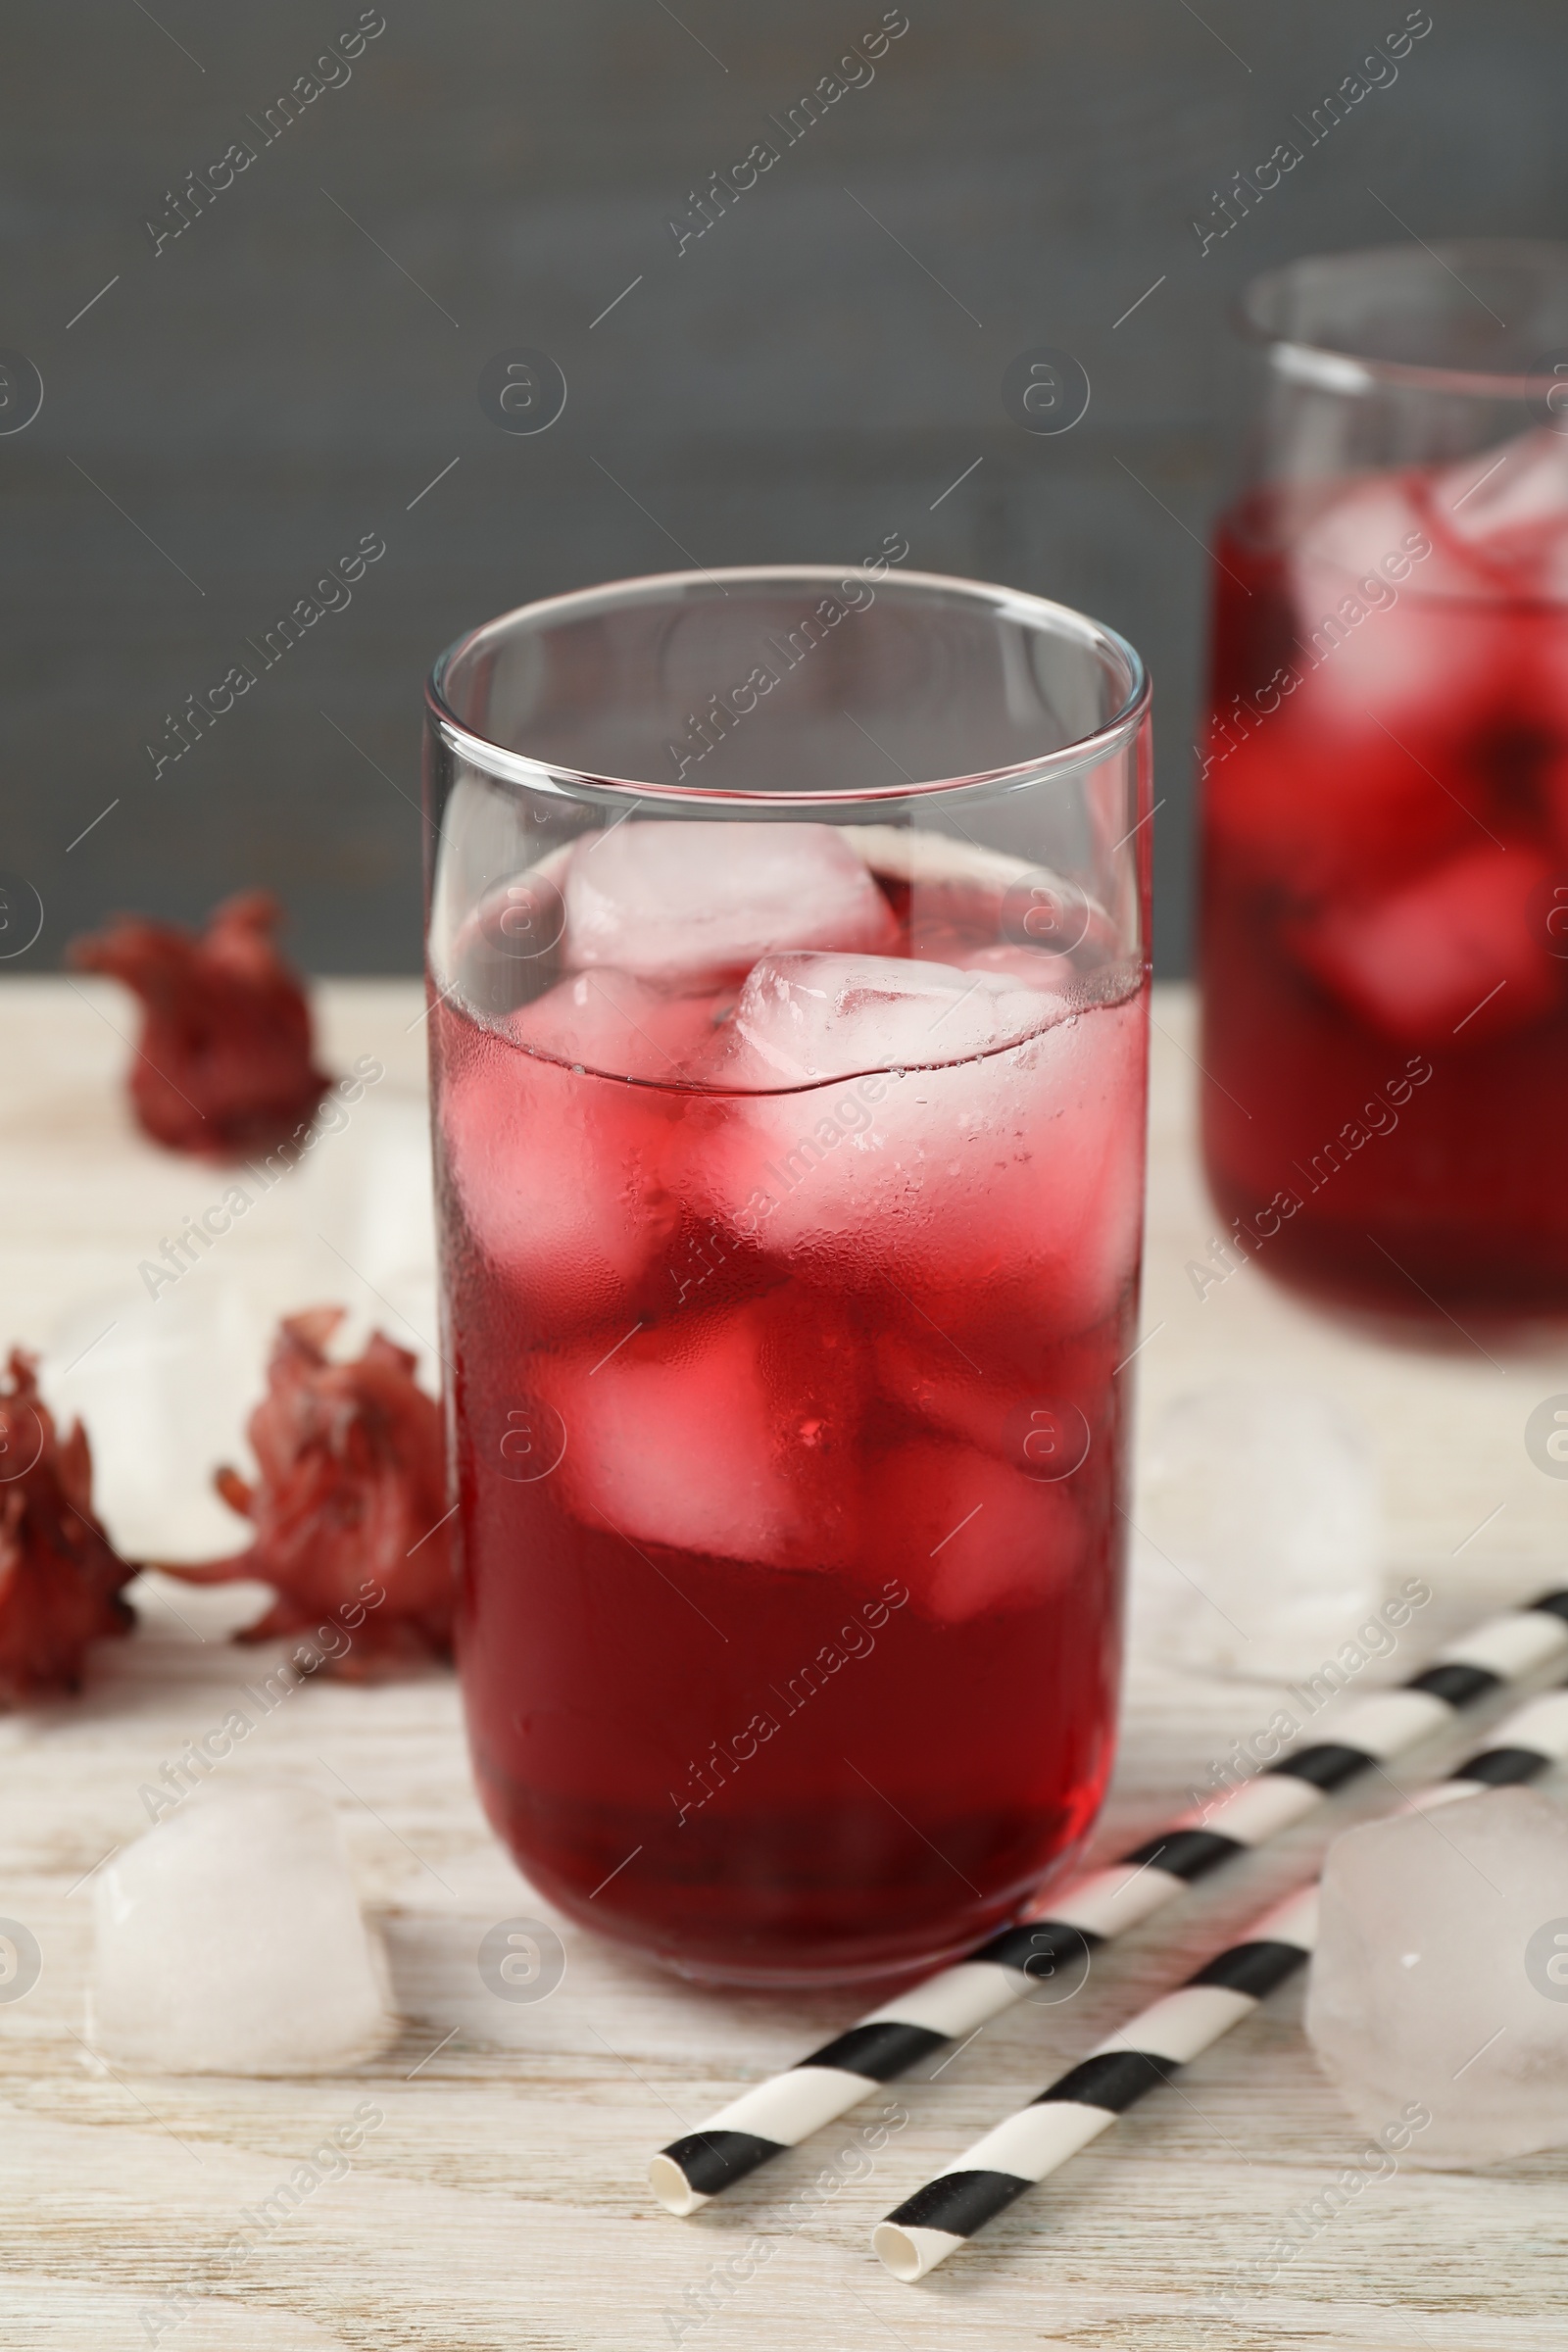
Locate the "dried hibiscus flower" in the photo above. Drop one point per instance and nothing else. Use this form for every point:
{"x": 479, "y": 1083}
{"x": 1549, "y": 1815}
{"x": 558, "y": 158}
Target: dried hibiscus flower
{"x": 225, "y": 1064}
{"x": 350, "y": 1510}
{"x": 61, "y": 1578}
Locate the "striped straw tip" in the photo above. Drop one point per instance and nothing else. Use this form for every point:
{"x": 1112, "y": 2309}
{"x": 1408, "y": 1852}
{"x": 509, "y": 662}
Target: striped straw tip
{"x": 671, "y": 2188}
{"x": 695, "y": 2168}
{"x": 911, "y": 2254}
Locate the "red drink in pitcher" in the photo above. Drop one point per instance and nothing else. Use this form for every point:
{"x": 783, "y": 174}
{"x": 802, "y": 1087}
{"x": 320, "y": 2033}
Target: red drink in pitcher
{"x": 1385, "y": 886}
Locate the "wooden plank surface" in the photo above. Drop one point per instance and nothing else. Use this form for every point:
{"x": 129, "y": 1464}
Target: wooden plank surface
{"x": 499, "y": 2202}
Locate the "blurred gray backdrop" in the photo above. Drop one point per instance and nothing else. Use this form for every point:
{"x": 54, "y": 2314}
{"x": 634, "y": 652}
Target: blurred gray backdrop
{"x": 251, "y": 367}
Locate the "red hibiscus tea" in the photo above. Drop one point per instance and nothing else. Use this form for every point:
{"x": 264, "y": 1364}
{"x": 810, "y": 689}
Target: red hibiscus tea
{"x": 791, "y": 1185}
{"x": 1385, "y": 824}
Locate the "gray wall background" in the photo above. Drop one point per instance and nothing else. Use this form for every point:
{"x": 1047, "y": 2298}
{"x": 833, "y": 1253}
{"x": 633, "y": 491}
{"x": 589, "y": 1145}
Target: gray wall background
{"x": 293, "y": 370}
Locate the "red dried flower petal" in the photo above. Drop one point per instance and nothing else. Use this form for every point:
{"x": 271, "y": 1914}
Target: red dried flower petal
{"x": 61, "y": 1578}
{"x": 226, "y": 1063}
{"x": 350, "y": 1508}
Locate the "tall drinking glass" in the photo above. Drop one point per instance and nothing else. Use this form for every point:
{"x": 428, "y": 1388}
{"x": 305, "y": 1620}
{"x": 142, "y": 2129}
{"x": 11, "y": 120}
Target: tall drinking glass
{"x": 787, "y": 961}
{"x": 1385, "y": 933}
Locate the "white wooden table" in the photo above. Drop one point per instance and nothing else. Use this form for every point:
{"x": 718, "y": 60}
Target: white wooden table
{"x": 501, "y": 2201}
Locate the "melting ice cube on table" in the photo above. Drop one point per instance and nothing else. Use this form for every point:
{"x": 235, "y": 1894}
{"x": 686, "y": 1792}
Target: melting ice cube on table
{"x": 1261, "y": 1504}
{"x": 677, "y": 903}
{"x": 164, "y": 1385}
{"x": 229, "y": 1942}
{"x": 366, "y": 1185}
{"x": 1441, "y": 1979}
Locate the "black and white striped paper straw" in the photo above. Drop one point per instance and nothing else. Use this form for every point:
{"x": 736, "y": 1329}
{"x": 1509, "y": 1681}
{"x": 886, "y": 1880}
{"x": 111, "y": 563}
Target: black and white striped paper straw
{"x": 778, "y": 2114}
{"x": 948, "y": 2210}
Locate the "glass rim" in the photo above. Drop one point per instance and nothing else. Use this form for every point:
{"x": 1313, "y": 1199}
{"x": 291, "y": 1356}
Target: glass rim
{"x": 1340, "y": 368}
{"x": 506, "y": 765}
